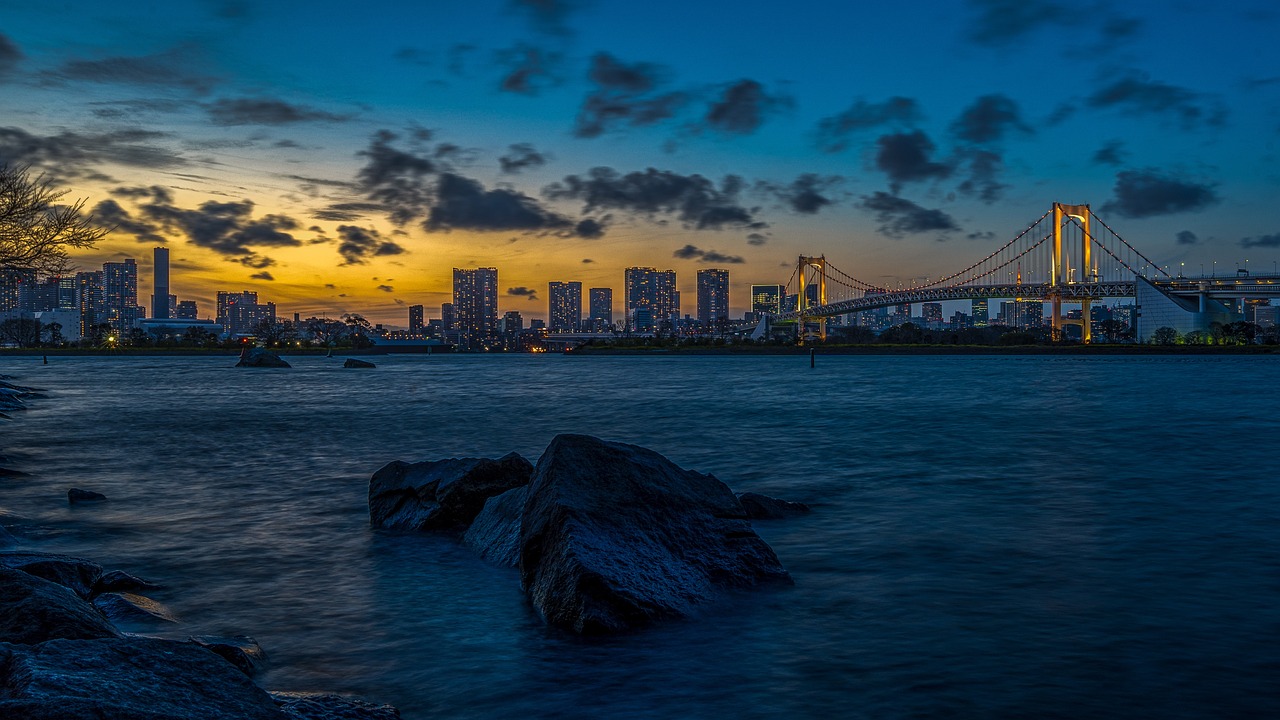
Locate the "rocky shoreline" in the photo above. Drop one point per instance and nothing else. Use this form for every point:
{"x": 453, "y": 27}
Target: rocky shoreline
{"x": 63, "y": 657}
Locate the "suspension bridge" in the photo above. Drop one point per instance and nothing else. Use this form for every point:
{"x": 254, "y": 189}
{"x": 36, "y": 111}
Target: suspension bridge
{"x": 1068, "y": 256}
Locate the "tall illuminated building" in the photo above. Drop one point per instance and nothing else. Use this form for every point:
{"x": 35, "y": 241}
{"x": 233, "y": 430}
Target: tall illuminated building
{"x": 650, "y": 296}
{"x": 416, "y": 320}
{"x": 88, "y": 300}
{"x": 120, "y": 294}
{"x": 601, "y": 307}
{"x": 564, "y": 301}
{"x": 767, "y": 299}
{"x": 160, "y": 285}
{"x": 475, "y": 305}
{"x": 240, "y": 312}
{"x": 978, "y": 309}
{"x": 713, "y": 296}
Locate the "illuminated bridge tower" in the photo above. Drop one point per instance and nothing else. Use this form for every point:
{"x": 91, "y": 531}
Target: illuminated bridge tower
{"x": 1060, "y": 269}
{"x": 819, "y": 267}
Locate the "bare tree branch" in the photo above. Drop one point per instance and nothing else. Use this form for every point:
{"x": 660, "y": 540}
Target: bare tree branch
{"x": 36, "y": 231}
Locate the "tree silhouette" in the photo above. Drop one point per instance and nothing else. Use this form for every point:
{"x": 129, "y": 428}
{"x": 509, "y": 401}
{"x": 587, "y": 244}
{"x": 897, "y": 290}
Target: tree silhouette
{"x": 35, "y": 230}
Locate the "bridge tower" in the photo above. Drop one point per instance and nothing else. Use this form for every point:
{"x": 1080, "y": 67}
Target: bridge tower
{"x": 819, "y": 265}
{"x": 1059, "y": 274}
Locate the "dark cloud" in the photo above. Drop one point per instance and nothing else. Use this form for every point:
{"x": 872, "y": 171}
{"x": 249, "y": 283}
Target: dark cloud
{"x": 10, "y": 56}
{"x": 1111, "y": 153}
{"x": 1002, "y": 22}
{"x": 523, "y": 291}
{"x": 1138, "y": 96}
{"x": 742, "y": 108}
{"x": 757, "y": 239}
{"x": 988, "y": 119}
{"x": 69, "y": 154}
{"x": 1186, "y": 237}
{"x": 1146, "y": 193}
{"x": 264, "y": 275}
{"x": 987, "y": 235}
{"x": 266, "y": 111}
{"x": 548, "y": 16}
{"x": 172, "y": 68}
{"x": 356, "y": 245}
{"x": 397, "y": 179}
{"x": 624, "y": 95}
{"x": 690, "y": 252}
{"x": 695, "y": 200}
{"x": 587, "y": 261}
{"x": 528, "y": 70}
{"x": 905, "y": 157}
{"x": 255, "y": 261}
{"x": 899, "y": 216}
{"x": 115, "y": 109}
{"x": 521, "y": 156}
{"x": 464, "y": 204}
{"x": 386, "y": 288}
{"x": 983, "y": 168}
{"x": 834, "y": 132}
{"x": 347, "y": 212}
{"x": 109, "y": 214}
{"x": 807, "y": 194}
{"x": 591, "y": 228}
{"x": 224, "y": 227}
{"x": 1268, "y": 241}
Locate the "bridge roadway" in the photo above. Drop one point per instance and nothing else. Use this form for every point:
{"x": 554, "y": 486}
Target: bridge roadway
{"x": 1256, "y": 286}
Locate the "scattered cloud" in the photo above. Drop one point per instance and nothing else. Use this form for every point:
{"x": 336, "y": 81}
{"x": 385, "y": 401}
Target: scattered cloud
{"x": 624, "y": 95}
{"x": 395, "y": 178}
{"x": 109, "y": 214}
{"x": 835, "y": 132}
{"x": 591, "y": 228}
{"x": 228, "y": 228}
{"x": 1146, "y": 193}
{"x": 356, "y": 245}
{"x": 527, "y": 70}
{"x": 522, "y": 291}
{"x": 983, "y": 167}
{"x": 173, "y": 68}
{"x": 521, "y": 156}
{"x": 743, "y": 107}
{"x": 693, "y": 199}
{"x": 117, "y": 109}
{"x": 1268, "y": 241}
{"x": 464, "y": 204}
{"x": 386, "y": 288}
{"x": 807, "y": 194}
{"x": 587, "y": 261}
{"x": 70, "y": 154}
{"x": 899, "y": 216}
{"x": 1186, "y": 237}
{"x": 1003, "y": 22}
{"x": 1139, "y": 96}
{"x": 690, "y": 252}
{"x": 1112, "y": 153}
{"x": 266, "y": 111}
{"x": 10, "y": 56}
{"x": 757, "y": 239}
{"x": 264, "y": 275}
{"x": 905, "y": 157}
{"x": 988, "y": 120}
{"x": 548, "y": 16}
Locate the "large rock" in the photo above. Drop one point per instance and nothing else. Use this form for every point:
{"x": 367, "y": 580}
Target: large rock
{"x": 120, "y": 581}
{"x": 763, "y": 507}
{"x": 354, "y": 363}
{"x": 440, "y": 494}
{"x": 76, "y": 495}
{"x": 616, "y": 536}
{"x": 128, "y": 607}
{"x": 240, "y": 650}
{"x": 261, "y": 358}
{"x": 115, "y": 679}
{"x": 33, "y": 610}
{"x": 78, "y": 574}
{"x": 495, "y": 533}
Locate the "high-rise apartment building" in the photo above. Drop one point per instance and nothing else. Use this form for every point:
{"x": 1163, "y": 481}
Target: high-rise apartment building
{"x": 713, "y": 296}
{"x": 120, "y": 294}
{"x": 931, "y": 314}
{"x": 14, "y": 286}
{"x": 650, "y": 297}
{"x": 185, "y": 310}
{"x": 978, "y": 309}
{"x": 160, "y": 284}
{"x": 565, "y": 306}
{"x": 240, "y": 312}
{"x": 767, "y": 299}
{"x": 475, "y": 305}
{"x": 448, "y": 321}
{"x": 417, "y": 324}
{"x": 601, "y": 308}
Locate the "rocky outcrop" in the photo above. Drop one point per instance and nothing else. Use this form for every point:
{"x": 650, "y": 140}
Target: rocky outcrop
{"x": 76, "y": 495}
{"x": 240, "y": 650}
{"x": 261, "y": 358}
{"x": 121, "y": 678}
{"x": 495, "y": 533}
{"x": 324, "y": 706}
{"x": 354, "y": 363}
{"x": 126, "y": 607}
{"x": 616, "y": 536}
{"x": 763, "y": 507}
{"x": 120, "y": 581}
{"x": 78, "y": 575}
{"x": 441, "y": 494}
{"x": 34, "y": 610}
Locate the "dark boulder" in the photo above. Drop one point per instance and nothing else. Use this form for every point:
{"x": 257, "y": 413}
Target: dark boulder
{"x": 616, "y": 536}
{"x": 79, "y": 575}
{"x": 120, "y": 581}
{"x": 441, "y": 494}
{"x": 242, "y": 651}
{"x": 261, "y": 358}
{"x": 324, "y": 706}
{"x": 127, "y": 607}
{"x": 76, "y": 495}
{"x": 763, "y": 507}
{"x": 33, "y": 610}
{"x": 354, "y": 363}
{"x": 136, "y": 677}
{"x": 495, "y": 533}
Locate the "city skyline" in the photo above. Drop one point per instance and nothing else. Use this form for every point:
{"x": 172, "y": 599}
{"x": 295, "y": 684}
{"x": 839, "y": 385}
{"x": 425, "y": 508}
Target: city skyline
{"x": 270, "y": 151}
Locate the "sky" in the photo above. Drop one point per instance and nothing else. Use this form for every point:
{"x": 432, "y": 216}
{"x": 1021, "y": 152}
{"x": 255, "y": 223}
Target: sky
{"x": 344, "y": 157}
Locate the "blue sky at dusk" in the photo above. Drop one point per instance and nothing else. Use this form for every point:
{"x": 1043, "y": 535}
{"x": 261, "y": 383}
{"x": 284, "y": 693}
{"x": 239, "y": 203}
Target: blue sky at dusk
{"x": 344, "y": 157}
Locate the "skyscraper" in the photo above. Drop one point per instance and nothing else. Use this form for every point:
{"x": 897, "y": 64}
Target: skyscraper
{"x": 120, "y": 294}
{"x": 601, "y": 300}
{"x": 160, "y": 285}
{"x": 649, "y": 296}
{"x": 767, "y": 299}
{"x": 475, "y": 305}
{"x": 565, "y": 306}
{"x": 978, "y": 308}
{"x": 713, "y": 296}
{"x": 88, "y": 301}
{"x": 416, "y": 324}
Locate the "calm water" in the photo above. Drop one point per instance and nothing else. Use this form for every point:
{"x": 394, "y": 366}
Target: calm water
{"x": 1041, "y": 536}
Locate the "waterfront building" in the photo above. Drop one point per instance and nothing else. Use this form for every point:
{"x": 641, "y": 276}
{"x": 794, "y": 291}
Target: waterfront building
{"x": 713, "y": 296}
{"x": 475, "y": 305}
{"x": 416, "y": 320}
{"x": 13, "y": 284}
{"x": 978, "y": 309}
{"x": 186, "y": 310}
{"x": 120, "y": 294}
{"x": 650, "y": 297}
{"x": 89, "y": 301}
{"x": 240, "y": 312}
{"x": 601, "y": 308}
{"x": 564, "y": 306}
{"x": 767, "y": 299}
{"x": 160, "y": 302}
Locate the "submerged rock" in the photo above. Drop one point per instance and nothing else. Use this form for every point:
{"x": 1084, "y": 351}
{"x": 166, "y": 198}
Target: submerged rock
{"x": 123, "y": 607}
{"x": 261, "y": 358}
{"x": 325, "y": 706}
{"x": 120, "y": 678}
{"x": 354, "y": 363}
{"x": 240, "y": 650}
{"x": 616, "y": 536}
{"x": 79, "y": 575}
{"x": 33, "y": 610}
{"x": 76, "y": 495}
{"x": 120, "y": 581}
{"x": 763, "y": 507}
{"x": 495, "y": 533}
{"x": 441, "y": 494}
